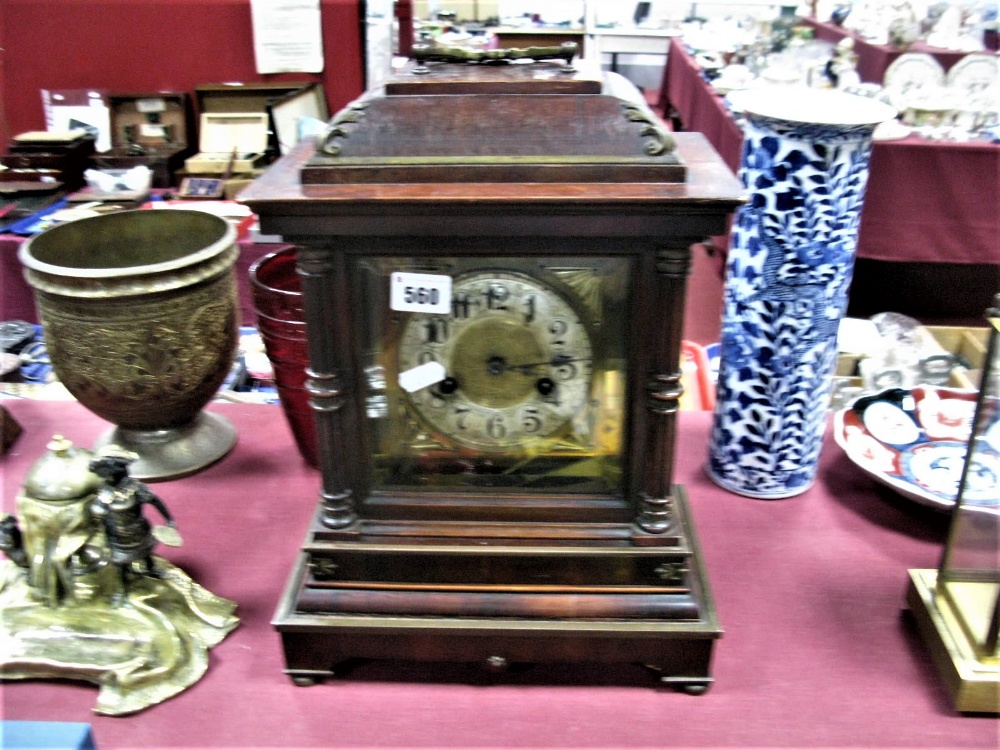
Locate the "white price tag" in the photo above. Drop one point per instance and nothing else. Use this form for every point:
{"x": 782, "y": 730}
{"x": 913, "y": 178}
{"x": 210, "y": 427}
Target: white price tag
{"x": 420, "y": 292}
{"x": 421, "y": 376}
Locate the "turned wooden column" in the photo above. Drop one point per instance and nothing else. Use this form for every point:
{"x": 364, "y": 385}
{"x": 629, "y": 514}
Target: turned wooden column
{"x": 663, "y": 386}
{"x": 329, "y": 381}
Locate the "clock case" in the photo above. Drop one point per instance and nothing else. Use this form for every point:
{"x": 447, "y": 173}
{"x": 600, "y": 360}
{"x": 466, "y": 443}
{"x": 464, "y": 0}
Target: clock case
{"x": 515, "y": 161}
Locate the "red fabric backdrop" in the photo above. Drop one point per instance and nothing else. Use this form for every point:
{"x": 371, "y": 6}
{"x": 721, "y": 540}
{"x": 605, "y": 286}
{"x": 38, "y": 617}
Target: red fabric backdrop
{"x": 150, "y": 45}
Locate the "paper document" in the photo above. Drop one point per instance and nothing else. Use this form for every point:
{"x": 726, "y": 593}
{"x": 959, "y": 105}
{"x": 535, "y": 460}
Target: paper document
{"x": 287, "y": 36}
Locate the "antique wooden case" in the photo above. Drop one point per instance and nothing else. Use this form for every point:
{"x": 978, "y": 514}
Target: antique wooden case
{"x": 494, "y": 262}
{"x": 291, "y": 98}
{"x": 229, "y": 143}
{"x": 149, "y": 129}
{"x": 49, "y": 158}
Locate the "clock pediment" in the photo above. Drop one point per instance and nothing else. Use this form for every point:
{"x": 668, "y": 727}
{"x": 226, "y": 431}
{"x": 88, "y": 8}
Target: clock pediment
{"x": 531, "y": 132}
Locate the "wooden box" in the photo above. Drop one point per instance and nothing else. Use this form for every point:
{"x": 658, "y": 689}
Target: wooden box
{"x": 49, "y": 156}
{"x": 149, "y": 129}
{"x": 259, "y": 98}
{"x": 967, "y": 345}
{"x": 229, "y": 142}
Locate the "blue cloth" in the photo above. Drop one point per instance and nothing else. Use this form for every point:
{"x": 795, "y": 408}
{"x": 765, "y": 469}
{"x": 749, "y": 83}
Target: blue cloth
{"x": 46, "y": 735}
{"x": 37, "y": 222}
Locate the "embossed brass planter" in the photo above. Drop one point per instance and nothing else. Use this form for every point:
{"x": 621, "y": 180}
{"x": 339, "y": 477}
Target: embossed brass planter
{"x": 140, "y": 318}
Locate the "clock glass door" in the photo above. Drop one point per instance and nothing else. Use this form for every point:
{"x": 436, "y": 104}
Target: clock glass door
{"x": 494, "y": 372}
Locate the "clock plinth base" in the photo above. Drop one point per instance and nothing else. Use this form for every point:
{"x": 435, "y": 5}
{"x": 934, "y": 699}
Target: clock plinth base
{"x": 501, "y": 604}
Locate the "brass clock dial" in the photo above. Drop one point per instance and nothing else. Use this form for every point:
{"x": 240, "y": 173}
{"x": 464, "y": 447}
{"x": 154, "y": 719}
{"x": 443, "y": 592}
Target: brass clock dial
{"x": 516, "y": 357}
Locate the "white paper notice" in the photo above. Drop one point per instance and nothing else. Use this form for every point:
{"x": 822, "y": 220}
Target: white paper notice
{"x": 287, "y": 36}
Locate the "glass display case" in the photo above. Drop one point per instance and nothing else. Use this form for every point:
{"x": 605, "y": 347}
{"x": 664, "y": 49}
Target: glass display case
{"x": 957, "y": 607}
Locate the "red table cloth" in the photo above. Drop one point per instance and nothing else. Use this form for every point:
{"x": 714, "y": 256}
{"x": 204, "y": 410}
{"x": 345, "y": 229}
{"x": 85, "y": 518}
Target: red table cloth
{"x": 927, "y": 201}
{"x": 810, "y": 592}
{"x": 873, "y": 59}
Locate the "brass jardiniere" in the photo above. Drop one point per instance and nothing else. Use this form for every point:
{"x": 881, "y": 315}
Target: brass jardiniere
{"x": 140, "y": 318}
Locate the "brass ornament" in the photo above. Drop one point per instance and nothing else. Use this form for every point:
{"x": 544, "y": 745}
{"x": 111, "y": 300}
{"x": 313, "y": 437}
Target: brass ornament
{"x": 335, "y": 128}
{"x": 424, "y": 53}
{"x": 167, "y": 353}
{"x": 139, "y": 311}
{"x": 660, "y": 141}
{"x": 83, "y": 597}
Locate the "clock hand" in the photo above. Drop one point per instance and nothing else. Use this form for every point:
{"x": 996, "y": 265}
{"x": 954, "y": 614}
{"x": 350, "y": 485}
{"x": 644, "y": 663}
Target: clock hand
{"x": 496, "y": 366}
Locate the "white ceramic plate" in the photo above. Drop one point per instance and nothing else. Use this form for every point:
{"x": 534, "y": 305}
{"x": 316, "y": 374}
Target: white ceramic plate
{"x": 915, "y": 442}
{"x": 973, "y": 75}
{"x": 913, "y": 70}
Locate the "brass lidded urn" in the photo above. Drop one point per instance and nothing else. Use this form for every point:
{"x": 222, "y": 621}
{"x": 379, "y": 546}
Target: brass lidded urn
{"x": 141, "y": 323}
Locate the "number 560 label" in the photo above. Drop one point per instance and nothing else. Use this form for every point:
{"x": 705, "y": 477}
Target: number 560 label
{"x": 420, "y": 292}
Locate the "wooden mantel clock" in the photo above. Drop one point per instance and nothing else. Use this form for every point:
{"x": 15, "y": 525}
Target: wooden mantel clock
{"x": 494, "y": 261}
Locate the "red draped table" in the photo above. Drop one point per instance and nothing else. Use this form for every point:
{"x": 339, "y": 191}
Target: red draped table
{"x": 873, "y": 59}
{"x": 929, "y": 243}
{"x": 810, "y": 592}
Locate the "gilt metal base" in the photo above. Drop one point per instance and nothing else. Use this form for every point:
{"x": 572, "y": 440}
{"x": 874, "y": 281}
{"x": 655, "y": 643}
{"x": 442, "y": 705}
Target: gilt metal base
{"x": 141, "y": 648}
{"x": 973, "y": 684}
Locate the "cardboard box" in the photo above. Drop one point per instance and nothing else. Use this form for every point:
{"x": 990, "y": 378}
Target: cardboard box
{"x": 229, "y": 142}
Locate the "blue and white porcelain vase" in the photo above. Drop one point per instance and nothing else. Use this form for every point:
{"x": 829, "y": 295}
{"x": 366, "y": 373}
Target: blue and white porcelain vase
{"x": 792, "y": 246}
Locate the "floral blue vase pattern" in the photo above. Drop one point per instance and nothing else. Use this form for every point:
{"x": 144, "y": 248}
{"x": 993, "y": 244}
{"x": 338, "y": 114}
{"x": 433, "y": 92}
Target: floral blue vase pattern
{"x": 788, "y": 271}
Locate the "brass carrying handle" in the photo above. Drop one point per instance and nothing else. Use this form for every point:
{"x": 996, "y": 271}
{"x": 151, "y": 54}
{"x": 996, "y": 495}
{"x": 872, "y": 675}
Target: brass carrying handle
{"x": 431, "y": 53}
